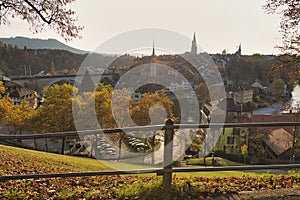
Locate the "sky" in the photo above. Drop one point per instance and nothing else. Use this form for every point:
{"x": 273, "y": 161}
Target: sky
{"x": 218, "y": 24}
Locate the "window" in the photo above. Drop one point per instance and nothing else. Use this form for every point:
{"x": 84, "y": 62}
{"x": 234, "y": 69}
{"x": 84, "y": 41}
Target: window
{"x": 236, "y": 131}
{"x": 230, "y": 140}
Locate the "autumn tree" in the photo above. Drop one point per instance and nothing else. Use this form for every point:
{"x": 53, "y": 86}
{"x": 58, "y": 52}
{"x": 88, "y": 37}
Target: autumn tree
{"x": 202, "y": 92}
{"x": 5, "y": 108}
{"x": 122, "y": 106}
{"x": 289, "y": 25}
{"x": 103, "y": 94}
{"x": 142, "y": 114}
{"x": 16, "y": 117}
{"x": 55, "y": 114}
{"x": 2, "y": 89}
{"x": 19, "y": 117}
{"x": 83, "y": 106}
{"x": 39, "y": 14}
{"x": 97, "y": 103}
{"x": 277, "y": 87}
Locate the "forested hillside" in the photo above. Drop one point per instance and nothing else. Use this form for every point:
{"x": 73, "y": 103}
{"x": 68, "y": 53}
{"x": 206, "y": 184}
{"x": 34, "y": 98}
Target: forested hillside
{"x": 16, "y": 61}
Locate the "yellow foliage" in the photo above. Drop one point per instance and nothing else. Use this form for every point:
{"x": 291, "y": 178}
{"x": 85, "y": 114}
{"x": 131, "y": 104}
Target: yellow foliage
{"x": 55, "y": 115}
{"x": 244, "y": 149}
{"x": 16, "y": 117}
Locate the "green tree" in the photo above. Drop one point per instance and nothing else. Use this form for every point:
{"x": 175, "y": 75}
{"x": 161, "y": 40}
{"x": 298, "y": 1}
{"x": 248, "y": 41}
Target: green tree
{"x": 39, "y": 14}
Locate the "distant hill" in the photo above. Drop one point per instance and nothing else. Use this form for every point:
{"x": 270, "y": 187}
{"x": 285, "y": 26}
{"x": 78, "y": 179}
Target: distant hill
{"x": 17, "y": 61}
{"x": 32, "y": 43}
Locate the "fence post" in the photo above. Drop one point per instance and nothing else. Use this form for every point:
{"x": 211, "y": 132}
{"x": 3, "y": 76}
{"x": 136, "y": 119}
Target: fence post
{"x": 168, "y": 156}
{"x": 63, "y": 146}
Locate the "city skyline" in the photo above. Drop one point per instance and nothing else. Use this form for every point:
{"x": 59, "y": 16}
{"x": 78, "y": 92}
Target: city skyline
{"x": 218, "y": 25}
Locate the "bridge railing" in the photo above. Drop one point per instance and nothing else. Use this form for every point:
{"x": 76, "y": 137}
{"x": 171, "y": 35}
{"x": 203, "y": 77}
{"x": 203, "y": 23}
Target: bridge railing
{"x": 169, "y": 129}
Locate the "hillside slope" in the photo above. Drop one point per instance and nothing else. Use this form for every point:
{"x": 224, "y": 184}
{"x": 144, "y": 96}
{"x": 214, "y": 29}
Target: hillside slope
{"x": 20, "y": 161}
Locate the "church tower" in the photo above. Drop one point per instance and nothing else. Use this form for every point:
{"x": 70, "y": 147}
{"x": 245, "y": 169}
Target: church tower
{"x": 239, "y": 51}
{"x": 153, "y": 49}
{"x": 153, "y": 60}
{"x": 194, "y": 45}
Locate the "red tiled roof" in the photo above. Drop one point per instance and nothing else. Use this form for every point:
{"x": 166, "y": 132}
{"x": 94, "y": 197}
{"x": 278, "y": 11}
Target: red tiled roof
{"x": 279, "y": 140}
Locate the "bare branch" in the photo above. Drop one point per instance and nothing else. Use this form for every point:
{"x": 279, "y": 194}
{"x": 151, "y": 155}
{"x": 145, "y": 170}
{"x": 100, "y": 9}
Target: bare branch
{"x": 43, "y": 13}
{"x": 38, "y": 12}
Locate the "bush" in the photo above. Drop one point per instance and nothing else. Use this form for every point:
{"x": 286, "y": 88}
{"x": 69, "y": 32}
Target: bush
{"x": 232, "y": 157}
{"x": 250, "y": 106}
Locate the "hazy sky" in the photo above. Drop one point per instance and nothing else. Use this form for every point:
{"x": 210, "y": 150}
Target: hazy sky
{"x": 219, "y": 24}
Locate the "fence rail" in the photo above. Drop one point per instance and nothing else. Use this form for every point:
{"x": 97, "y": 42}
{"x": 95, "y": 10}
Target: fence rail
{"x": 158, "y": 171}
{"x": 145, "y": 128}
{"x": 167, "y": 171}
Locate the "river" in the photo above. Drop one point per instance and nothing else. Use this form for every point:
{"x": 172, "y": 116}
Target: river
{"x": 278, "y": 107}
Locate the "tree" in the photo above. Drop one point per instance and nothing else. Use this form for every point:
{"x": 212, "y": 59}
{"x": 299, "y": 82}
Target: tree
{"x": 39, "y": 14}
{"x": 277, "y": 87}
{"x": 55, "y": 114}
{"x": 149, "y": 108}
{"x": 52, "y": 69}
{"x": 289, "y": 25}
{"x": 15, "y": 117}
{"x": 103, "y": 106}
{"x": 20, "y": 116}
{"x": 244, "y": 150}
{"x": 2, "y": 89}
{"x": 5, "y": 108}
{"x": 287, "y": 65}
{"x": 202, "y": 92}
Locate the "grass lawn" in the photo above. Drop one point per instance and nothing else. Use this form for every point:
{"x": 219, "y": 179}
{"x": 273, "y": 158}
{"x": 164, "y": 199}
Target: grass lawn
{"x": 218, "y": 162}
{"x": 219, "y": 174}
{"x": 28, "y": 160}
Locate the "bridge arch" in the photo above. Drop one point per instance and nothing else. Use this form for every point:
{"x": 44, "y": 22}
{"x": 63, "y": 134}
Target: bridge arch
{"x": 60, "y": 81}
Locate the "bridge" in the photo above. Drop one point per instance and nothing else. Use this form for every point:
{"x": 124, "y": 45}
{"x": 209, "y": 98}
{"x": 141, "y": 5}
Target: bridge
{"x": 38, "y": 83}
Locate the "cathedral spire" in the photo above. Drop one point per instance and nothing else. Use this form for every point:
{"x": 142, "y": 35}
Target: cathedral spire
{"x": 153, "y": 49}
{"x": 194, "y": 45}
{"x": 239, "y": 51}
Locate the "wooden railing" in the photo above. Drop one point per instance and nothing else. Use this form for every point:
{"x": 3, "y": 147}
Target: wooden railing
{"x": 168, "y": 169}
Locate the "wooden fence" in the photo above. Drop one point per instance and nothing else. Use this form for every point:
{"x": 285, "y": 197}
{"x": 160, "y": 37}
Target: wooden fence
{"x": 169, "y": 128}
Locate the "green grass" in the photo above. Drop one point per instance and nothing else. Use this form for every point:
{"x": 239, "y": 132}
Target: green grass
{"x": 51, "y": 160}
{"x": 208, "y": 160}
{"x": 219, "y": 174}
{"x": 125, "y": 166}
{"x": 72, "y": 163}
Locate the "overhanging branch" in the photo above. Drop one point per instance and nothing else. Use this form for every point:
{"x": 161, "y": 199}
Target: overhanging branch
{"x": 39, "y": 12}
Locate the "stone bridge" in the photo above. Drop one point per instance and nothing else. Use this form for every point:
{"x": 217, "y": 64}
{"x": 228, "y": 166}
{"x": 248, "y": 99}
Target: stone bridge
{"x": 38, "y": 83}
